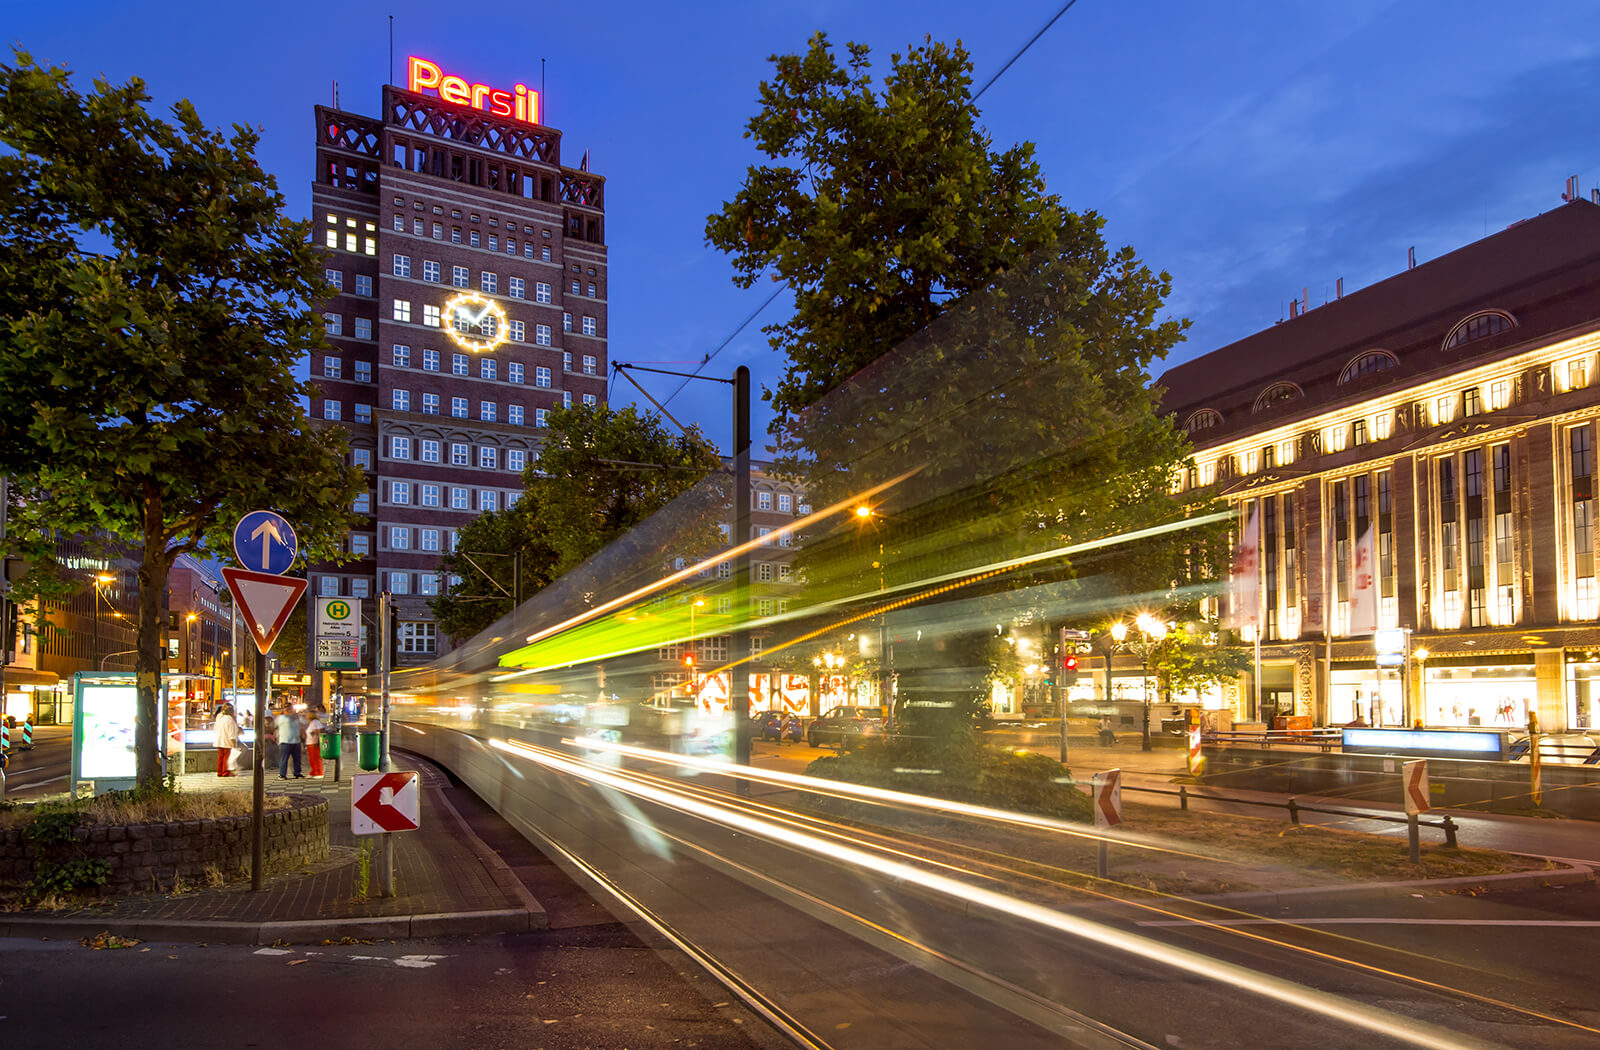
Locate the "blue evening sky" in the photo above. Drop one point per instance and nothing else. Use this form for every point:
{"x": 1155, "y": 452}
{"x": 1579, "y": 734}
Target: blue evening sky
{"x": 1250, "y": 149}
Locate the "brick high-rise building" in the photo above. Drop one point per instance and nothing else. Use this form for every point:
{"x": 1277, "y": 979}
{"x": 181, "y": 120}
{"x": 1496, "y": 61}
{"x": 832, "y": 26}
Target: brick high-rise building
{"x": 470, "y": 265}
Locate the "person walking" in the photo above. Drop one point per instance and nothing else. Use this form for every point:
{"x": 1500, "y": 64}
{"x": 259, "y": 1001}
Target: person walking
{"x": 289, "y": 734}
{"x": 226, "y": 728}
{"x": 314, "y": 744}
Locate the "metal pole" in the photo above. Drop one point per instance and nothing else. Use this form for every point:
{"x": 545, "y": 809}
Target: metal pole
{"x": 385, "y": 659}
{"x": 739, "y": 671}
{"x": 1414, "y": 834}
{"x": 1101, "y": 866}
{"x": 96, "y": 661}
{"x": 258, "y": 802}
{"x": 233, "y": 643}
{"x": 337, "y": 718}
{"x": 1060, "y": 680}
{"x": 1145, "y": 654}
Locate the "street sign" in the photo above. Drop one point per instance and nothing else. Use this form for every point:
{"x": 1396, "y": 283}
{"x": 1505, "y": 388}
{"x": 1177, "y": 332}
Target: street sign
{"x": 265, "y": 542}
{"x": 264, "y": 601}
{"x": 338, "y": 654}
{"x": 1414, "y": 775}
{"x": 338, "y": 618}
{"x": 381, "y": 802}
{"x": 1107, "y": 796}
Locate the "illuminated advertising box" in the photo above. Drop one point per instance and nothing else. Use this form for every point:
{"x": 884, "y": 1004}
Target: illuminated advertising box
{"x": 103, "y": 715}
{"x": 1425, "y": 743}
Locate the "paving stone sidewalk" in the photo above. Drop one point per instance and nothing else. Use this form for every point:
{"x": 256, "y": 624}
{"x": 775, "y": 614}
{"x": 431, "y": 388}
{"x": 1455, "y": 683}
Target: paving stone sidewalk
{"x": 446, "y": 880}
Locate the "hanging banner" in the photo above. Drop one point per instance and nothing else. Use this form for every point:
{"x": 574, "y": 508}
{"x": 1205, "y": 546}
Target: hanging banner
{"x": 1244, "y": 579}
{"x": 1364, "y": 584}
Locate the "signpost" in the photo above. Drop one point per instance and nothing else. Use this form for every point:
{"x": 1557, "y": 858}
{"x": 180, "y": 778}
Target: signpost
{"x": 1414, "y": 785}
{"x": 1106, "y": 796}
{"x": 383, "y": 803}
{"x": 265, "y": 545}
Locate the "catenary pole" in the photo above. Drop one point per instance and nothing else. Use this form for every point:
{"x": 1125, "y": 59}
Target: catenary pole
{"x": 739, "y": 673}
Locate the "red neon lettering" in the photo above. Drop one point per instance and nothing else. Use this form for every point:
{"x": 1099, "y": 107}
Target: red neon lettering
{"x": 522, "y": 105}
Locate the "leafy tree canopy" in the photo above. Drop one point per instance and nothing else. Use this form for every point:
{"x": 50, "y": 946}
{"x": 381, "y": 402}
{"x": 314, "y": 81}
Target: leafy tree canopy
{"x": 600, "y": 472}
{"x": 147, "y": 391}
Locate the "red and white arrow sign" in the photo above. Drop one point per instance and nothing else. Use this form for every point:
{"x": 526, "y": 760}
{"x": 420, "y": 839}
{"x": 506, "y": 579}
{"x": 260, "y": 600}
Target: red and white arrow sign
{"x": 1414, "y": 775}
{"x": 1107, "y": 797}
{"x": 382, "y": 802}
{"x": 265, "y": 601}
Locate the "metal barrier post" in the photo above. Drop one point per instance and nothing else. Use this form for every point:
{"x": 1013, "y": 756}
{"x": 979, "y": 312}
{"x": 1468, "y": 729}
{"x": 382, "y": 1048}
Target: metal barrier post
{"x": 1294, "y": 811}
{"x": 1449, "y": 832}
{"x": 1183, "y": 797}
{"x": 1101, "y": 868}
{"x": 1415, "y": 835}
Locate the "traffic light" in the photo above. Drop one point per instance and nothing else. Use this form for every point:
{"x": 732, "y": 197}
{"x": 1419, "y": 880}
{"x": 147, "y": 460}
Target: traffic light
{"x": 1069, "y": 669}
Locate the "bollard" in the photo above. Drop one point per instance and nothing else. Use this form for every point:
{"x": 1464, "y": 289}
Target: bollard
{"x": 5, "y": 735}
{"x": 1183, "y": 797}
{"x": 1415, "y": 838}
{"x": 1449, "y": 832}
{"x": 1294, "y": 811}
{"x": 27, "y": 733}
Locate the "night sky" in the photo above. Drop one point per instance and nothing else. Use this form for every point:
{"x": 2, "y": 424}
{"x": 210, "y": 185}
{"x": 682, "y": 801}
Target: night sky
{"x": 1250, "y": 149}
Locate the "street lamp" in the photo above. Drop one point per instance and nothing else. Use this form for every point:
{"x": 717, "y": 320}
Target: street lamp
{"x": 99, "y": 581}
{"x": 695, "y": 692}
{"x": 1153, "y": 631}
{"x": 885, "y": 657}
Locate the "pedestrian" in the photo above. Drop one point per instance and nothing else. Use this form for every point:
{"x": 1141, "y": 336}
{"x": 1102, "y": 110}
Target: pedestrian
{"x": 1107, "y": 737}
{"x": 314, "y": 744}
{"x": 289, "y": 734}
{"x": 227, "y": 733}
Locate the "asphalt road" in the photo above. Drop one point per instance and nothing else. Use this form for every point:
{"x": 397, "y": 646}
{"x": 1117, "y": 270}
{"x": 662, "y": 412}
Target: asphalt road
{"x": 44, "y": 770}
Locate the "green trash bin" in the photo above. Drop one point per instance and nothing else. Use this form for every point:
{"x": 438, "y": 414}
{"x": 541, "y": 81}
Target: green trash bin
{"x": 371, "y": 750}
{"x": 330, "y": 745}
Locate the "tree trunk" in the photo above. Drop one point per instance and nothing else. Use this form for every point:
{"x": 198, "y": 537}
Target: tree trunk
{"x": 149, "y": 718}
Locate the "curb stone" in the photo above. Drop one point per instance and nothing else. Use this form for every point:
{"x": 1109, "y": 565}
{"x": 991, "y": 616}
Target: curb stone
{"x": 396, "y": 928}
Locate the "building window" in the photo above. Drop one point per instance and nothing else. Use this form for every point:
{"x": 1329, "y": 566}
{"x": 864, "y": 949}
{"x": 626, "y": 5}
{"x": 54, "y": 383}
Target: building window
{"x": 566, "y": 325}
{"x": 333, "y": 324}
{"x": 402, "y": 400}
{"x": 364, "y": 284}
{"x": 541, "y": 376}
{"x": 430, "y": 404}
{"x": 399, "y": 583}
{"x": 399, "y": 537}
{"x": 1471, "y": 402}
{"x": 1479, "y": 326}
{"x": 458, "y": 276}
{"x": 402, "y": 263}
{"x": 400, "y": 447}
{"x": 430, "y": 496}
{"x": 590, "y": 400}
{"x": 589, "y": 326}
{"x": 487, "y": 368}
{"x": 360, "y": 544}
{"x": 1499, "y": 394}
{"x": 763, "y": 501}
{"x": 427, "y": 583}
{"x": 362, "y": 503}
{"x": 1276, "y": 393}
{"x": 488, "y": 499}
{"x": 429, "y": 540}
{"x": 363, "y": 371}
{"x": 541, "y": 334}
{"x": 430, "y": 450}
{"x": 327, "y": 586}
{"x": 487, "y": 457}
{"x": 486, "y": 411}
{"x": 566, "y": 399}
{"x": 418, "y": 637}
{"x": 430, "y": 270}
{"x": 331, "y": 409}
{"x": 430, "y": 360}
{"x": 459, "y": 498}
{"x": 515, "y": 287}
{"x": 764, "y": 572}
{"x": 331, "y": 367}
{"x": 514, "y": 371}
{"x": 1577, "y": 373}
{"x": 402, "y": 356}
{"x": 518, "y": 331}
{"x": 489, "y": 282}
{"x": 514, "y": 415}
{"x": 544, "y": 252}
{"x": 335, "y": 279}
{"x": 541, "y": 292}
{"x": 541, "y": 417}
{"x": 1369, "y": 363}
{"x": 591, "y": 290}
{"x": 459, "y": 456}
{"x": 473, "y": 239}
{"x": 516, "y": 459}
{"x": 588, "y": 364}
{"x": 1204, "y": 419}
{"x": 402, "y": 310}
{"x": 361, "y": 457}
{"x": 363, "y": 413}
{"x": 363, "y": 328}
{"x": 400, "y": 492}
{"x": 458, "y": 364}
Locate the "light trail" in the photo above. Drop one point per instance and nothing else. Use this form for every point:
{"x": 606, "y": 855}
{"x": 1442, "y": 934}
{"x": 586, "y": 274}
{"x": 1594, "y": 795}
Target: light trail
{"x": 1277, "y": 989}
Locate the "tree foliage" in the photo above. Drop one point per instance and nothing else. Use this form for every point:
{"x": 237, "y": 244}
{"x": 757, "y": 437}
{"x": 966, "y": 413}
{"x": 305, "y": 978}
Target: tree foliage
{"x": 600, "y": 472}
{"x": 959, "y": 335}
{"x": 147, "y": 391}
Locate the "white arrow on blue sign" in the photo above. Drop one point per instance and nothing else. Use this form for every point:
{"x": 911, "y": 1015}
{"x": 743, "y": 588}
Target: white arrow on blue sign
{"x": 265, "y": 542}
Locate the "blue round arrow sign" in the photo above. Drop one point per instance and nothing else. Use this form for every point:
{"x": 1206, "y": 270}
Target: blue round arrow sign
{"x": 265, "y": 542}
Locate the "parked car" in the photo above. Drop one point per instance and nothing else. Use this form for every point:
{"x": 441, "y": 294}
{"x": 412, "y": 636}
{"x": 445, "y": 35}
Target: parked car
{"x": 845, "y": 727}
{"x": 777, "y": 725}
{"x": 1567, "y": 749}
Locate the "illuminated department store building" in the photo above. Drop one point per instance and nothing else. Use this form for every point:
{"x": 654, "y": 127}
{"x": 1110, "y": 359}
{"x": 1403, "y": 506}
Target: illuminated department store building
{"x": 1453, "y": 408}
{"x": 471, "y": 299}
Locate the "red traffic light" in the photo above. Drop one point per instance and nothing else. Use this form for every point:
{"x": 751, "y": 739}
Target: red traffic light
{"x": 1070, "y": 665}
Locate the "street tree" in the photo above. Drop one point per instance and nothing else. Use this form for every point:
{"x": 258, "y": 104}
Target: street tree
{"x": 958, "y": 335}
{"x": 599, "y": 473}
{"x": 156, "y": 301}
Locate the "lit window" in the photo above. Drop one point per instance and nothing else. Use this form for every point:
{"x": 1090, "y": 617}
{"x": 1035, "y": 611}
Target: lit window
{"x": 430, "y": 315}
{"x": 1444, "y": 409}
{"x": 1499, "y": 394}
{"x": 1577, "y": 373}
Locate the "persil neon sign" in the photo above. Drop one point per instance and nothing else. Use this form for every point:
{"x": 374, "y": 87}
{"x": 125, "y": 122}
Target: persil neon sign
{"x": 521, "y": 103}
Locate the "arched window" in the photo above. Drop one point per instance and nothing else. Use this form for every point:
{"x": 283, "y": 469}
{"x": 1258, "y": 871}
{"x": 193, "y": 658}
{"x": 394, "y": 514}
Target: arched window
{"x": 1479, "y": 326}
{"x": 1282, "y": 391}
{"x": 1366, "y": 364}
{"x": 1204, "y": 419}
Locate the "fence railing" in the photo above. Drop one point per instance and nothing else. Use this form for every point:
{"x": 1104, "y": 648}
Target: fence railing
{"x": 1324, "y": 738}
{"x": 1294, "y": 808}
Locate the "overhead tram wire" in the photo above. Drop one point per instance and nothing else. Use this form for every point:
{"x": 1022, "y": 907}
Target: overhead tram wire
{"x": 773, "y": 297}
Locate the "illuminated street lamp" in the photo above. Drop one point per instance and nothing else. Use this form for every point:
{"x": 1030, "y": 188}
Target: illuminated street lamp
{"x": 885, "y": 657}
{"x": 100, "y": 580}
{"x": 1153, "y": 631}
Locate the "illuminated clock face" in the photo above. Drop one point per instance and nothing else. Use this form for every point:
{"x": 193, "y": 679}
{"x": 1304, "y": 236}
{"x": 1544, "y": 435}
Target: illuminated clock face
{"x": 475, "y": 322}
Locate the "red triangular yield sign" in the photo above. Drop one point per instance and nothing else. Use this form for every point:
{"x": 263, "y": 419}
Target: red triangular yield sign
{"x": 265, "y": 601}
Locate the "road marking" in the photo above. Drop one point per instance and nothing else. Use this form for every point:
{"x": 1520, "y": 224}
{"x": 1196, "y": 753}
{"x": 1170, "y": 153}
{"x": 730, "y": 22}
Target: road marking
{"x": 274, "y": 951}
{"x": 36, "y": 783}
{"x": 1576, "y": 924}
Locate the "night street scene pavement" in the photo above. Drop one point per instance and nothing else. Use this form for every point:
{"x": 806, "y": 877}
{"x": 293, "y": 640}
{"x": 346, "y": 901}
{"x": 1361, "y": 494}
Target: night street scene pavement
{"x": 911, "y": 580}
